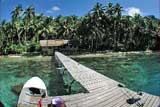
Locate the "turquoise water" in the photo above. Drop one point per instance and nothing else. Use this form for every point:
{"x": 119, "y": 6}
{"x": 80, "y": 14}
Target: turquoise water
{"x": 15, "y": 71}
{"x": 10, "y": 68}
{"x": 139, "y": 72}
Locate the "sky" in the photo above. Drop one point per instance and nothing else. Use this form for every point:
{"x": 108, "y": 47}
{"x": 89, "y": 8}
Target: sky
{"x": 78, "y": 7}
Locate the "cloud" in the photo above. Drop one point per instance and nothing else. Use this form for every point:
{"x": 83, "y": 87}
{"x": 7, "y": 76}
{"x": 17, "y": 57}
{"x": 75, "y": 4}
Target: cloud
{"x": 133, "y": 10}
{"x": 53, "y": 9}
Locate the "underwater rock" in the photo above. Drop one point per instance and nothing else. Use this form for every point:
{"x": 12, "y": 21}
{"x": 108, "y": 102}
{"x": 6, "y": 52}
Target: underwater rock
{"x": 45, "y": 71}
{"x": 131, "y": 80}
{"x": 20, "y": 74}
{"x": 1, "y": 104}
{"x": 17, "y": 89}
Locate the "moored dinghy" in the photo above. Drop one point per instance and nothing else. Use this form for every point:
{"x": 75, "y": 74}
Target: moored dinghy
{"x": 32, "y": 92}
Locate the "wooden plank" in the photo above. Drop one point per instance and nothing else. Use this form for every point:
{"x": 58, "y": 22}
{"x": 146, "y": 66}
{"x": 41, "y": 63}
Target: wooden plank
{"x": 93, "y": 95}
{"x": 156, "y": 102}
{"x": 124, "y": 102}
{"x": 141, "y": 101}
{"x": 86, "y": 103}
{"x": 148, "y": 101}
{"x": 109, "y": 102}
{"x": 99, "y": 99}
{"x": 120, "y": 102}
{"x": 152, "y": 101}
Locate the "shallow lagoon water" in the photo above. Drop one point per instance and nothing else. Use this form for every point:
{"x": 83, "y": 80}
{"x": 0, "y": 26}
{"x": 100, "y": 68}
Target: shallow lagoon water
{"x": 14, "y": 71}
{"x": 139, "y": 72}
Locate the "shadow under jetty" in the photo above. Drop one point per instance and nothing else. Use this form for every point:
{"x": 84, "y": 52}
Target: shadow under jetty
{"x": 70, "y": 84}
{"x": 56, "y": 83}
{"x": 61, "y": 82}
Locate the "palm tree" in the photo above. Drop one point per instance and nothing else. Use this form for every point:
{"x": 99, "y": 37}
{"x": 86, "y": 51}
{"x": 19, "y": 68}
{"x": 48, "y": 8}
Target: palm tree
{"x": 2, "y": 35}
{"x": 16, "y": 12}
{"x": 29, "y": 13}
{"x": 28, "y": 20}
{"x": 45, "y": 28}
{"x": 118, "y": 10}
{"x": 16, "y": 19}
{"x": 96, "y": 24}
{"x": 104, "y": 27}
{"x": 65, "y": 26}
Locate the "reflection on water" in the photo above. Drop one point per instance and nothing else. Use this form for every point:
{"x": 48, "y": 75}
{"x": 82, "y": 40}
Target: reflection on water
{"x": 140, "y": 72}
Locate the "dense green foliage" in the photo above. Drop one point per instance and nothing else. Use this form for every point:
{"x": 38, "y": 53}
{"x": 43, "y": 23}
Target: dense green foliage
{"x": 103, "y": 28}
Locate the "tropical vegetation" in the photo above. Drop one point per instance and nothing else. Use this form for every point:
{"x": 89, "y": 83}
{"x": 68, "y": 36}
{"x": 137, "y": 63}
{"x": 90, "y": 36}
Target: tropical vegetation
{"x": 102, "y": 28}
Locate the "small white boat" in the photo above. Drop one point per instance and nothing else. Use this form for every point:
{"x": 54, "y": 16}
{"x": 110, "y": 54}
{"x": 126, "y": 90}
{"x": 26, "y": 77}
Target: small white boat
{"x": 32, "y": 92}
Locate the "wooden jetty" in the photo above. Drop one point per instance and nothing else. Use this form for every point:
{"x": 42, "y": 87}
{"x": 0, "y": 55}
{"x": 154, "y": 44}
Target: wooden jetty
{"x": 102, "y": 91}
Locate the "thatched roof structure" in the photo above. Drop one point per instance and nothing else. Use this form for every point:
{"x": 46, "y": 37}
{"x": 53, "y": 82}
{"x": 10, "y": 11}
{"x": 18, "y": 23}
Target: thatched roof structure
{"x": 53, "y": 43}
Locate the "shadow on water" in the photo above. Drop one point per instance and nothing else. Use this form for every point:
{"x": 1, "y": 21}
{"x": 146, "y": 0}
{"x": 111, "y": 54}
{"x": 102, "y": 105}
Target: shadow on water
{"x": 56, "y": 83}
{"x": 61, "y": 82}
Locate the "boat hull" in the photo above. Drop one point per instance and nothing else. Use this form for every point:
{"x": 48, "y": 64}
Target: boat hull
{"x": 32, "y": 92}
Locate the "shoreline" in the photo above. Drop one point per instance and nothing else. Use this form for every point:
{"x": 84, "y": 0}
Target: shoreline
{"x": 85, "y": 55}
{"x": 109, "y": 54}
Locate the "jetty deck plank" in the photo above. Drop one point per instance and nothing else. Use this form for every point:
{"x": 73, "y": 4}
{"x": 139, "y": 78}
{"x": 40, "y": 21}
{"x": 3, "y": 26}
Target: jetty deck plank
{"x": 102, "y": 91}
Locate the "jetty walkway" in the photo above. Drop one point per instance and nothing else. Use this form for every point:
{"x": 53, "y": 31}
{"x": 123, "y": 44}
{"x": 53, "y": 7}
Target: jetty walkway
{"x": 102, "y": 91}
